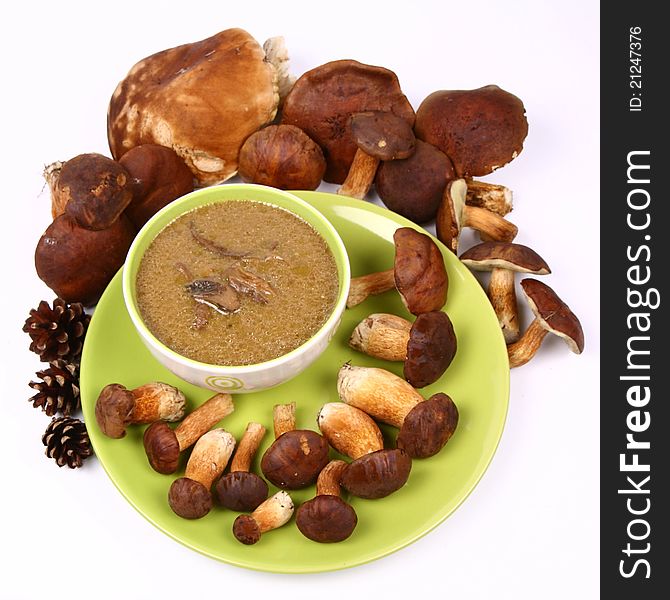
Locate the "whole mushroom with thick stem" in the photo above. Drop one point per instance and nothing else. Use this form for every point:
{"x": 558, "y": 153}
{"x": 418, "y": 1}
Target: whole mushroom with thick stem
{"x": 327, "y": 518}
{"x": 504, "y": 260}
{"x": 296, "y": 457}
{"x": 276, "y": 511}
{"x": 190, "y": 496}
{"x": 426, "y": 347}
{"x": 117, "y": 406}
{"x": 425, "y": 425}
{"x": 418, "y": 274}
{"x": 240, "y": 489}
{"x": 552, "y": 315}
{"x": 164, "y": 445}
{"x": 375, "y": 472}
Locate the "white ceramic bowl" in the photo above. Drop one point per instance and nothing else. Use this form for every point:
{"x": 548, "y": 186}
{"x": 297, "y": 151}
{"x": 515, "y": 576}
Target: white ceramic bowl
{"x": 247, "y": 378}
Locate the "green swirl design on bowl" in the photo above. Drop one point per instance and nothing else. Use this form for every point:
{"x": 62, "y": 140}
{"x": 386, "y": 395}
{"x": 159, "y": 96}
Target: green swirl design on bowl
{"x": 223, "y": 383}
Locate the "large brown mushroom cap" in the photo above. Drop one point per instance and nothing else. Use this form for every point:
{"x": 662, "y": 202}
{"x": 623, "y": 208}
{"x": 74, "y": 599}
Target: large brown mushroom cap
{"x": 189, "y": 499}
{"x": 326, "y": 519}
{"x": 377, "y": 474}
{"x": 504, "y": 255}
{"x": 383, "y": 135}
{"x": 162, "y": 447}
{"x": 241, "y": 491}
{"x": 201, "y": 99}
{"x": 295, "y": 459}
{"x": 430, "y": 349}
{"x": 428, "y": 426}
{"x": 323, "y": 100}
{"x": 480, "y": 130}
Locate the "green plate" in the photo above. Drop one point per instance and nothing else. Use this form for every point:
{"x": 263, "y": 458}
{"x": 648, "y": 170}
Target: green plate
{"x": 477, "y": 380}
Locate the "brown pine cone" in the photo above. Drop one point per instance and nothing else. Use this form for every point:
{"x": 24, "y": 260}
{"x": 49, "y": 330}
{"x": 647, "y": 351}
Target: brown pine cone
{"x": 59, "y": 389}
{"x": 58, "y": 332}
{"x": 67, "y": 442}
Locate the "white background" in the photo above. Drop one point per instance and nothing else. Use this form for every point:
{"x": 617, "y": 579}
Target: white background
{"x": 530, "y": 529}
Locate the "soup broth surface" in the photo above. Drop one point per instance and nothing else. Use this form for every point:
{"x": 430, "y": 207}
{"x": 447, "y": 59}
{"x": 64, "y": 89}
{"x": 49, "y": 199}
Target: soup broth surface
{"x": 236, "y": 283}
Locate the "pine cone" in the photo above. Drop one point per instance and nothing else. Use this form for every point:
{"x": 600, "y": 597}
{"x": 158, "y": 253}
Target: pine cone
{"x": 57, "y": 332}
{"x": 67, "y": 442}
{"x": 59, "y": 389}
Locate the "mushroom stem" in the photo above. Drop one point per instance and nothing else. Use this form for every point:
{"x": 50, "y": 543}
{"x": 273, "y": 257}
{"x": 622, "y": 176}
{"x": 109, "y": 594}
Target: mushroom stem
{"x": 349, "y": 430}
{"x": 247, "y": 447}
{"x": 210, "y": 456}
{"x": 491, "y": 196}
{"x": 283, "y": 418}
{"x": 202, "y": 419}
{"x": 381, "y": 394}
{"x": 369, "y": 285}
{"x": 522, "y": 351}
{"x": 270, "y": 514}
{"x": 382, "y": 335}
{"x": 51, "y": 174}
{"x": 361, "y": 175}
{"x": 491, "y": 225}
{"x": 157, "y": 401}
{"x": 328, "y": 482}
{"x": 503, "y": 299}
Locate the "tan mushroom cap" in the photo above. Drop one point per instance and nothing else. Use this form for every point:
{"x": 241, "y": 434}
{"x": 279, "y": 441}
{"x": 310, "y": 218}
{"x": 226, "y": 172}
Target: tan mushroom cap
{"x": 554, "y": 314}
{"x": 504, "y": 255}
{"x": 323, "y": 100}
{"x": 480, "y": 130}
{"x": 383, "y": 135}
{"x": 201, "y": 99}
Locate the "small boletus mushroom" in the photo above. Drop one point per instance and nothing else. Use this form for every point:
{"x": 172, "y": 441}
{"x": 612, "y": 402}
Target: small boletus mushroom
{"x": 552, "y": 315}
{"x": 78, "y": 263}
{"x": 379, "y": 136}
{"x": 282, "y": 156}
{"x": 158, "y": 175}
{"x": 375, "y": 472}
{"x": 425, "y": 425}
{"x": 190, "y": 496}
{"x": 323, "y": 99}
{"x": 418, "y": 274}
{"x": 117, "y": 406}
{"x": 413, "y": 187}
{"x": 163, "y": 445}
{"x": 327, "y": 518}
{"x": 426, "y": 347}
{"x": 240, "y": 489}
{"x": 296, "y": 457}
{"x": 503, "y": 260}
{"x": 276, "y": 511}
{"x": 479, "y": 130}
{"x": 454, "y": 214}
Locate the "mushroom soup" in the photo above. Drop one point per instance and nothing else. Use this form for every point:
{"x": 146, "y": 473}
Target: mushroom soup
{"x": 236, "y": 283}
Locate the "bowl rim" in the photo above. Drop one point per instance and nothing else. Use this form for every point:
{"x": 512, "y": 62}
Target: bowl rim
{"x": 134, "y": 256}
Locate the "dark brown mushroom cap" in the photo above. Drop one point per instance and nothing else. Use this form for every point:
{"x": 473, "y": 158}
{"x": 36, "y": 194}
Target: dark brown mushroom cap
{"x": 246, "y": 530}
{"x": 295, "y": 459}
{"x": 326, "y": 519}
{"x": 428, "y": 426}
{"x": 431, "y": 348}
{"x": 504, "y": 255}
{"x": 241, "y": 491}
{"x": 554, "y": 314}
{"x": 189, "y": 499}
{"x": 382, "y": 135}
{"x": 113, "y": 410}
{"x": 377, "y": 474}
{"x": 480, "y": 130}
{"x": 322, "y": 101}
{"x": 162, "y": 447}
{"x": 419, "y": 271}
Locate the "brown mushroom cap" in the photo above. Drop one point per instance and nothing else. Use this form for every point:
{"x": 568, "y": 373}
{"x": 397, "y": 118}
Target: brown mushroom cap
{"x": 413, "y": 187}
{"x": 419, "y": 271}
{"x": 113, "y": 410}
{"x": 162, "y": 447}
{"x": 480, "y": 130}
{"x": 201, "y": 99}
{"x": 189, "y": 499}
{"x": 295, "y": 459}
{"x": 326, "y": 519}
{"x": 504, "y": 255}
{"x": 554, "y": 314}
{"x": 377, "y": 474}
{"x": 240, "y": 491}
{"x": 383, "y": 135}
{"x": 430, "y": 349}
{"x": 282, "y": 156}
{"x": 323, "y": 100}
{"x": 246, "y": 530}
{"x": 428, "y": 426}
